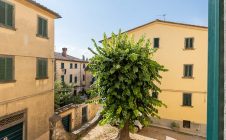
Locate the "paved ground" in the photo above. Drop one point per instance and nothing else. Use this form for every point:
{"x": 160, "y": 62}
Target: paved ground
{"x": 150, "y": 133}
{"x": 160, "y": 134}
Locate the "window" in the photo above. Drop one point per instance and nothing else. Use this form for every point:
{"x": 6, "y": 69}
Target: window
{"x": 76, "y": 66}
{"x": 62, "y": 65}
{"x": 76, "y": 79}
{"x": 155, "y": 95}
{"x": 186, "y": 124}
{"x": 71, "y": 65}
{"x": 83, "y": 77}
{"x": 42, "y": 27}
{"x": 188, "y": 71}
{"x": 6, "y": 68}
{"x": 187, "y": 99}
{"x": 189, "y": 43}
{"x": 70, "y": 78}
{"x": 75, "y": 92}
{"x": 42, "y": 67}
{"x": 84, "y": 66}
{"x": 156, "y": 42}
{"x": 62, "y": 78}
{"x": 6, "y": 14}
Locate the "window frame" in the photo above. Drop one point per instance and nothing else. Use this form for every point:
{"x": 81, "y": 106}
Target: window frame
{"x": 47, "y": 29}
{"x": 63, "y": 78}
{"x": 76, "y": 66}
{"x": 13, "y": 16}
{"x": 62, "y": 65}
{"x": 158, "y": 42}
{"x": 185, "y": 125}
{"x": 47, "y": 67}
{"x": 185, "y": 43}
{"x": 183, "y": 100}
{"x": 13, "y": 69}
{"x": 76, "y": 81}
{"x": 192, "y": 71}
{"x": 71, "y": 65}
{"x": 70, "y": 78}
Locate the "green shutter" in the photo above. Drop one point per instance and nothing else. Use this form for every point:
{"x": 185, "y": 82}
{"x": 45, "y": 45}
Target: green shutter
{"x": 9, "y": 15}
{"x": 9, "y": 69}
{"x": 2, "y": 12}
{"x": 44, "y": 28}
{"x": 45, "y": 66}
{"x": 2, "y": 68}
{"x": 39, "y": 26}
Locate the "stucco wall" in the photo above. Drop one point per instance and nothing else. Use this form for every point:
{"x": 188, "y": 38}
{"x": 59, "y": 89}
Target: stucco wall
{"x": 76, "y": 113}
{"x": 79, "y": 72}
{"x": 173, "y": 56}
{"x": 26, "y": 92}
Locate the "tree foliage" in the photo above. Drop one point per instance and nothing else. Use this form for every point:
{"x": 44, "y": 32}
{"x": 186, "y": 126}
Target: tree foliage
{"x": 126, "y": 75}
{"x": 64, "y": 96}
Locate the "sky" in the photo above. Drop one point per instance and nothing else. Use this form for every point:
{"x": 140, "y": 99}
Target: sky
{"x": 83, "y": 20}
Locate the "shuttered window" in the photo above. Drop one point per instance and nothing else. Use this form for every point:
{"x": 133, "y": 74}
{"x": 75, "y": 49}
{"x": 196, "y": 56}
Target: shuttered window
{"x": 6, "y": 68}
{"x": 76, "y": 66}
{"x": 62, "y": 65}
{"x": 42, "y": 27}
{"x": 188, "y": 71}
{"x": 6, "y": 14}
{"x": 71, "y": 66}
{"x": 156, "y": 42}
{"x": 76, "y": 79}
{"x": 189, "y": 43}
{"x": 83, "y": 77}
{"x": 42, "y": 68}
{"x": 187, "y": 100}
{"x": 70, "y": 78}
{"x": 62, "y": 78}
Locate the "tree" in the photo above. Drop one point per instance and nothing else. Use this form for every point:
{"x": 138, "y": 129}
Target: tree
{"x": 126, "y": 75}
{"x": 64, "y": 96}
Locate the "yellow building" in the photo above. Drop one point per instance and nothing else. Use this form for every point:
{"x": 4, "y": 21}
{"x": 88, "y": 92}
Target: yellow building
{"x": 26, "y": 69}
{"x": 182, "y": 49}
{"x": 72, "y": 71}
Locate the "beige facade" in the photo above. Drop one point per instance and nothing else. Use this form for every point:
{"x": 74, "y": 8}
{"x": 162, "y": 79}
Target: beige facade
{"x": 72, "y": 71}
{"x": 171, "y": 53}
{"x": 27, "y": 99}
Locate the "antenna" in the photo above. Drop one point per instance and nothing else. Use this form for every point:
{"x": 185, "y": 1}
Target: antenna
{"x": 163, "y": 16}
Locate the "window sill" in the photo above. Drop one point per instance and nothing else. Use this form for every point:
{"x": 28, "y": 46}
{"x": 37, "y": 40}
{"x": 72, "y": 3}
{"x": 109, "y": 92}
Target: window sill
{"x": 41, "y": 78}
{"x": 44, "y": 37}
{"x": 7, "y": 81}
{"x": 187, "y": 106}
{"x": 188, "y": 49}
{"x": 188, "y": 77}
{"x": 8, "y": 27}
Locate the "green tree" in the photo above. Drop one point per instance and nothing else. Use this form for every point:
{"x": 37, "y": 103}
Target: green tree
{"x": 64, "y": 96}
{"x": 125, "y": 75}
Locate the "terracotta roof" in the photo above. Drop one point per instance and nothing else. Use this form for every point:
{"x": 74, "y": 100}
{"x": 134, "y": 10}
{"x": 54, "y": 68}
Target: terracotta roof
{"x": 59, "y": 56}
{"x": 44, "y": 8}
{"x": 161, "y": 21}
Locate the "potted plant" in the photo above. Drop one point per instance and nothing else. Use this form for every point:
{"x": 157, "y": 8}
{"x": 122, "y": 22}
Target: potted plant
{"x": 175, "y": 126}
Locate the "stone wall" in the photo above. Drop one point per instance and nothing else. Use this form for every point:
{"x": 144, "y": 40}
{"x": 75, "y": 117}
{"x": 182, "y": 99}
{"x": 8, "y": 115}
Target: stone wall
{"x": 76, "y": 113}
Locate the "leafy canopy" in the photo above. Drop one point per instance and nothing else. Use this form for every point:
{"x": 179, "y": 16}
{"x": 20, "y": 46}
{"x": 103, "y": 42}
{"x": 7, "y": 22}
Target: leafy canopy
{"x": 125, "y": 76}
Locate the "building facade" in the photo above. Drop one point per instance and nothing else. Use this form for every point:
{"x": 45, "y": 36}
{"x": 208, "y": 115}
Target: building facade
{"x": 182, "y": 49}
{"x": 72, "y": 71}
{"x": 26, "y": 69}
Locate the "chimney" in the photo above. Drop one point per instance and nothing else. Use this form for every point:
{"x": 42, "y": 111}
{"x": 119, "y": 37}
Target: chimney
{"x": 64, "y": 52}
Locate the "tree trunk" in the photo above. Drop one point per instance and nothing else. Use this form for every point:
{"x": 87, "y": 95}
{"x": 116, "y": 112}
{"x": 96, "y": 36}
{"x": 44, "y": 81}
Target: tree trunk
{"x": 124, "y": 133}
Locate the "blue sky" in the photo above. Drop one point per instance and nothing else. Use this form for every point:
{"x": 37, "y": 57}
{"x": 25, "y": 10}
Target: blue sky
{"x": 86, "y": 19}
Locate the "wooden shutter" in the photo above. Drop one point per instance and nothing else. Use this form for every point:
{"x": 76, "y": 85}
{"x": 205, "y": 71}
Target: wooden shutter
{"x": 2, "y": 68}
{"x": 2, "y": 12}
{"x": 9, "y": 69}
{"x": 186, "y": 43}
{"x": 9, "y": 18}
{"x": 40, "y": 26}
{"x": 45, "y": 67}
{"x": 44, "y": 22}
